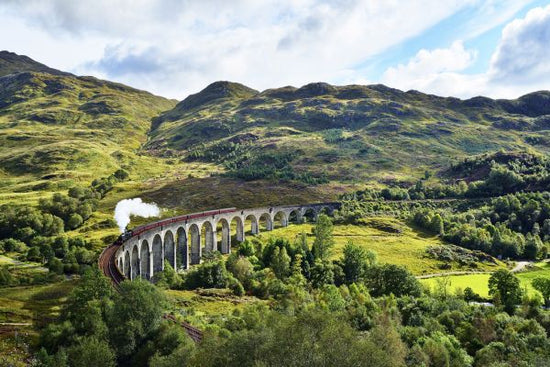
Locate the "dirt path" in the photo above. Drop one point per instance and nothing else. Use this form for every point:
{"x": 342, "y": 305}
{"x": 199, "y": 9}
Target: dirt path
{"x": 465, "y": 272}
{"x": 521, "y": 265}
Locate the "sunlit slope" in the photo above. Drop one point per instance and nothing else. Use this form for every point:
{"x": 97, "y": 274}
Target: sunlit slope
{"x": 55, "y": 126}
{"x": 348, "y": 133}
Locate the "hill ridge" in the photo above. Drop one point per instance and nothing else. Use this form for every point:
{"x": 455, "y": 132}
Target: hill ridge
{"x": 12, "y": 63}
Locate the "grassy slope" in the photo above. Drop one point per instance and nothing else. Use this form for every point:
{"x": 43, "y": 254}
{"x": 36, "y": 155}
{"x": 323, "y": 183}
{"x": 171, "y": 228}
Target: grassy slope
{"x": 59, "y": 130}
{"x": 406, "y": 248}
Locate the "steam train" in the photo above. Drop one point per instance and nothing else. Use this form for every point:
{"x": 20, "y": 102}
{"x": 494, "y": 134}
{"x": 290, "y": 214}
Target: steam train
{"x": 182, "y": 218}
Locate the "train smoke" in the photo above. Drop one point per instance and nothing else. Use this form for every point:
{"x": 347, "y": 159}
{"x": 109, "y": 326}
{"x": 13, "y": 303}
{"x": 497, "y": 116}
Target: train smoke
{"x": 127, "y": 207}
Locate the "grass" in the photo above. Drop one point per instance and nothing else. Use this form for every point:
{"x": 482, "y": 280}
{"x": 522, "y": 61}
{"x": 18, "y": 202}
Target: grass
{"x": 479, "y": 282}
{"x": 199, "y": 307}
{"x": 393, "y": 241}
{"x": 36, "y": 304}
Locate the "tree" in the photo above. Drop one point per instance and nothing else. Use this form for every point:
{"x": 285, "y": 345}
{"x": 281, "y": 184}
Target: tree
{"x": 75, "y": 221}
{"x": 88, "y": 303}
{"x": 533, "y": 245}
{"x": 240, "y": 267}
{"x": 91, "y": 351}
{"x": 210, "y": 274}
{"x": 137, "y": 312}
{"x": 180, "y": 354}
{"x": 55, "y": 265}
{"x": 34, "y": 254}
{"x": 543, "y": 286}
{"x": 323, "y": 238}
{"x": 280, "y": 263}
{"x": 391, "y": 279}
{"x": 445, "y": 350}
{"x": 321, "y": 274}
{"x": 505, "y": 288}
{"x": 355, "y": 262}
{"x": 437, "y": 224}
{"x": 5, "y": 276}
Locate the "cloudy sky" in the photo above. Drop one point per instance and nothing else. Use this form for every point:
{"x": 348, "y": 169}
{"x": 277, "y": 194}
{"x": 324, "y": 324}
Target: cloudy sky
{"x": 177, "y": 47}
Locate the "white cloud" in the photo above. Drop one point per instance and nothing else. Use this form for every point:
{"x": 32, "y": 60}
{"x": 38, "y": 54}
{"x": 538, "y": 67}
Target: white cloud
{"x": 177, "y": 47}
{"x": 523, "y": 53}
{"x": 431, "y": 70}
{"x": 520, "y": 64}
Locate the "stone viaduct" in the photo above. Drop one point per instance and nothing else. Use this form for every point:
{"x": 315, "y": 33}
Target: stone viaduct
{"x": 182, "y": 240}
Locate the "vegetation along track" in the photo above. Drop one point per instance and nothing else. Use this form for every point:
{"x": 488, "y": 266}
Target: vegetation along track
{"x": 107, "y": 265}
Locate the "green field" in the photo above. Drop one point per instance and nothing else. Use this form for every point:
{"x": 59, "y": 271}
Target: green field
{"x": 393, "y": 241}
{"x": 34, "y": 304}
{"x": 201, "y": 306}
{"x": 479, "y": 282}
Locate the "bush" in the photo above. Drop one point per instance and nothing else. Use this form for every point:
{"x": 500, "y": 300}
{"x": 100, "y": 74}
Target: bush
{"x": 210, "y": 274}
{"x": 34, "y": 254}
{"x": 13, "y": 245}
{"x": 55, "y": 266}
{"x": 75, "y": 221}
{"x": 235, "y": 286}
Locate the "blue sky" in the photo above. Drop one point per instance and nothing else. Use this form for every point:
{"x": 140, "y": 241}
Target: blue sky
{"x": 461, "y": 48}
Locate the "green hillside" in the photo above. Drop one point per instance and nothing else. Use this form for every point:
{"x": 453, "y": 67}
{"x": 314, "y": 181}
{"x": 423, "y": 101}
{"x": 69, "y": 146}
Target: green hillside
{"x": 347, "y": 134}
{"x": 56, "y": 128}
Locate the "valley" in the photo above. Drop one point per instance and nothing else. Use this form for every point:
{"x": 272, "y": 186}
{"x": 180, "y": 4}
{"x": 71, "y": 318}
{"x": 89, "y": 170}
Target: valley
{"x": 428, "y": 185}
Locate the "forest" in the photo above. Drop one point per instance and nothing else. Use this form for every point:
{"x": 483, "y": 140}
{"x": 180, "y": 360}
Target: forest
{"x": 351, "y": 311}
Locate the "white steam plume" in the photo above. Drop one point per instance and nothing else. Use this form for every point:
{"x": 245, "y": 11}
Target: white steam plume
{"x": 127, "y": 207}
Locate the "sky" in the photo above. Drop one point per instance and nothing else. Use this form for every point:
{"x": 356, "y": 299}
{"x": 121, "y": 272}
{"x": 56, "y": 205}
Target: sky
{"x": 174, "y": 48}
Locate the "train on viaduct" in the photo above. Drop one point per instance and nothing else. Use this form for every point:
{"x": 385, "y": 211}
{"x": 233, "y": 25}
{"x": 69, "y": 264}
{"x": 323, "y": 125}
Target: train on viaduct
{"x": 181, "y": 241}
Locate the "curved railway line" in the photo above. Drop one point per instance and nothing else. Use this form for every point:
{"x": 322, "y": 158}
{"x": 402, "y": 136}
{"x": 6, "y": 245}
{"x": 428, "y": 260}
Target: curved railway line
{"x": 107, "y": 265}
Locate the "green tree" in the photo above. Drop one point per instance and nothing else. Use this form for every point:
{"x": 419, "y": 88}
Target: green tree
{"x": 137, "y": 312}
{"x": 34, "y": 254}
{"x": 355, "y": 262}
{"x": 280, "y": 263}
{"x": 75, "y": 221}
{"x": 533, "y": 246}
{"x": 391, "y": 279}
{"x": 88, "y": 303}
{"x": 240, "y": 267}
{"x": 321, "y": 274}
{"x": 505, "y": 288}
{"x": 331, "y": 299}
{"x": 444, "y": 350}
{"x": 324, "y": 240}
{"x": 437, "y": 224}
{"x": 91, "y": 351}
{"x": 210, "y": 274}
{"x": 55, "y": 265}
{"x": 543, "y": 286}
{"x": 5, "y": 276}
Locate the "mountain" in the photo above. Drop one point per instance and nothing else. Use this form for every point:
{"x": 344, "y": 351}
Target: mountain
{"x": 12, "y": 63}
{"x": 345, "y": 133}
{"x": 232, "y": 145}
{"x": 56, "y": 127}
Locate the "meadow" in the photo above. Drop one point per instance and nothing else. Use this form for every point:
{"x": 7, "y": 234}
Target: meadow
{"x": 392, "y": 240}
{"x": 479, "y": 282}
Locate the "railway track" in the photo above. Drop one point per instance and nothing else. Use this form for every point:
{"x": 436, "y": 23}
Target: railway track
{"x": 107, "y": 265}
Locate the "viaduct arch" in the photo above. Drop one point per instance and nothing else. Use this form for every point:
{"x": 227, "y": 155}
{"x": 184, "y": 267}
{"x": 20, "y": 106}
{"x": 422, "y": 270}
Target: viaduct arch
{"x": 181, "y": 241}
